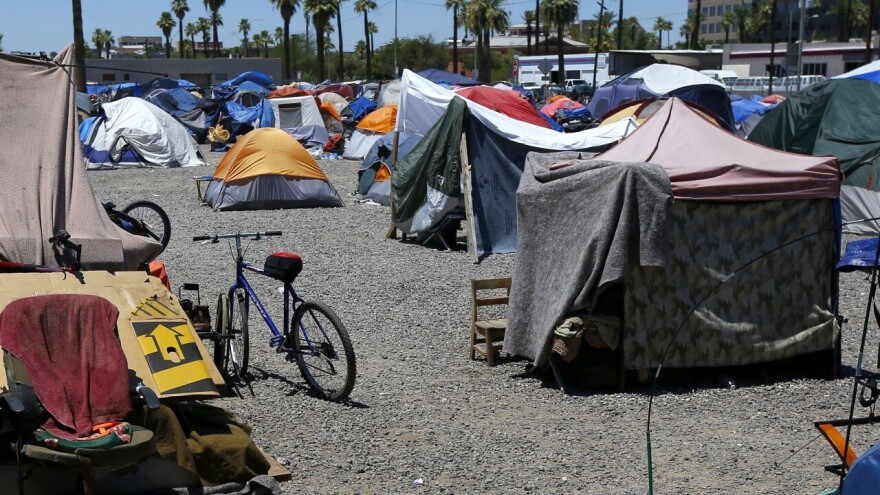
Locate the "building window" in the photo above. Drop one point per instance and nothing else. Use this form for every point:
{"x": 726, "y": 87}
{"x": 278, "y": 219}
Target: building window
{"x": 814, "y": 69}
{"x": 702, "y": 29}
{"x": 705, "y": 11}
{"x": 712, "y": 11}
{"x": 848, "y": 66}
{"x": 711, "y": 28}
{"x": 728, "y": 8}
{"x": 779, "y": 72}
{"x": 126, "y": 77}
{"x": 718, "y": 28}
{"x": 108, "y": 77}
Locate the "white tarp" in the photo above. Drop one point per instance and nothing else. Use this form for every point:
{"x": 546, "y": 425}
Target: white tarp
{"x": 422, "y": 103}
{"x": 338, "y": 102}
{"x": 150, "y": 131}
{"x": 865, "y": 69}
{"x": 296, "y": 111}
{"x": 359, "y": 144}
{"x": 663, "y": 78}
{"x": 857, "y": 203}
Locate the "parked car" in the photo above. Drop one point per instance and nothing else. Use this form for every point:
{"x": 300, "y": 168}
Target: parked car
{"x": 577, "y": 89}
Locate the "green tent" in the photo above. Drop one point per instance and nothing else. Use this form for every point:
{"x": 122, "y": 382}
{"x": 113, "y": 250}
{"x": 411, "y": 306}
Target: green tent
{"x": 840, "y": 117}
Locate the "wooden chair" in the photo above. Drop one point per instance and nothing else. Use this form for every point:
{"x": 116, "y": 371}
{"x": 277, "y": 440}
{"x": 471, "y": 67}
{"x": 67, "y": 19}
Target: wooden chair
{"x": 485, "y": 334}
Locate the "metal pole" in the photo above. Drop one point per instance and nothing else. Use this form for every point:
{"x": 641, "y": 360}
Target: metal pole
{"x": 598, "y": 43}
{"x": 871, "y": 14}
{"x": 800, "y": 55}
{"x": 396, "y": 73}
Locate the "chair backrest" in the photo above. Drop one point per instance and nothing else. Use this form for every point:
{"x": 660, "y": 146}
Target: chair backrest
{"x": 478, "y": 285}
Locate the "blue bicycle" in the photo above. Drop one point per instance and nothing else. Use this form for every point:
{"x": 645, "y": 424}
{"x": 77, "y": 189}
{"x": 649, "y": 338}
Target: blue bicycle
{"x": 314, "y": 336}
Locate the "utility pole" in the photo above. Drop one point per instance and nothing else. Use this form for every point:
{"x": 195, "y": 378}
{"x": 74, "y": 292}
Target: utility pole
{"x": 620, "y": 26}
{"x": 871, "y": 13}
{"x": 598, "y": 41}
{"x": 800, "y": 55}
{"x": 772, "y": 45}
{"x": 396, "y": 74}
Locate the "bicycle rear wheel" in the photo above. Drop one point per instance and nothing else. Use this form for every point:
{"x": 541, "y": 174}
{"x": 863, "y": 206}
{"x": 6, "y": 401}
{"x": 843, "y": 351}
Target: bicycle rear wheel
{"x": 221, "y": 331}
{"x": 238, "y": 341}
{"x": 323, "y": 351}
{"x": 155, "y": 221}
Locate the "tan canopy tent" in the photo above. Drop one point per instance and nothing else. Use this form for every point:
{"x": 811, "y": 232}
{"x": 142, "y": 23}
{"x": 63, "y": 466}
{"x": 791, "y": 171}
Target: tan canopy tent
{"x": 43, "y": 184}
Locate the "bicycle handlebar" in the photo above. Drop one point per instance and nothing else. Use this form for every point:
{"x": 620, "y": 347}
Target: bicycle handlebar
{"x": 237, "y": 235}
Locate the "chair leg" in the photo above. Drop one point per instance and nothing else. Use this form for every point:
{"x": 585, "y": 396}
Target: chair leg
{"x": 88, "y": 481}
{"x": 473, "y": 341}
{"x": 490, "y": 349}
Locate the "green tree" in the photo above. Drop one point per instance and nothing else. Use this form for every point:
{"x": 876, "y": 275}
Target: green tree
{"x": 109, "y": 40}
{"x": 340, "y": 69}
{"x": 538, "y": 28}
{"x": 686, "y": 29}
{"x": 79, "y": 47}
{"x": 528, "y": 17}
{"x": 481, "y": 17}
{"x": 743, "y": 23}
{"x": 455, "y": 5}
{"x": 204, "y": 25}
{"x": 660, "y": 25}
{"x": 180, "y": 8}
{"x": 98, "y": 40}
{"x": 244, "y": 27}
{"x": 262, "y": 39}
{"x": 607, "y": 42}
{"x": 321, "y": 11}
{"x": 728, "y": 19}
{"x": 695, "y": 26}
{"x": 761, "y": 13}
{"x": 560, "y": 13}
{"x": 192, "y": 29}
{"x": 166, "y": 23}
{"x": 373, "y": 29}
{"x": 414, "y": 53}
{"x": 214, "y": 7}
{"x": 365, "y": 6}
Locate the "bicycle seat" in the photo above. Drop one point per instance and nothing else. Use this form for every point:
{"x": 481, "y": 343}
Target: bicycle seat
{"x": 283, "y": 266}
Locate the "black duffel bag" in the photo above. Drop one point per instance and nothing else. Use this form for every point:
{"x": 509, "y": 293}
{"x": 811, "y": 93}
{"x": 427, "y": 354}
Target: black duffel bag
{"x": 283, "y": 266}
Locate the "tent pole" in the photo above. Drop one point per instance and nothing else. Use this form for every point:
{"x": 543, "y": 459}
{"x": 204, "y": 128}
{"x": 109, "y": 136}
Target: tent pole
{"x": 392, "y": 229}
{"x": 468, "y": 199}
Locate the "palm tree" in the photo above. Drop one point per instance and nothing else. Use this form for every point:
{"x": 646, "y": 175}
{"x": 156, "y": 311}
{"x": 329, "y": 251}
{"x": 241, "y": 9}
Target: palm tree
{"x": 287, "y": 8}
{"x": 538, "y": 28}
{"x": 455, "y": 5}
{"x": 728, "y": 19}
{"x": 180, "y": 8}
{"x": 373, "y": 29}
{"x": 307, "y": 15}
{"x": 191, "y": 30}
{"x": 561, "y": 13}
{"x": 108, "y": 42}
{"x": 214, "y": 6}
{"x": 166, "y": 23}
{"x": 529, "y": 17}
{"x": 98, "y": 40}
{"x": 695, "y": 27}
{"x": 481, "y": 17}
{"x": 79, "y": 47}
{"x": 204, "y": 25}
{"x": 322, "y": 11}
{"x": 660, "y": 25}
{"x": 244, "y": 27}
{"x": 365, "y": 6}
{"x": 340, "y": 69}
{"x": 263, "y": 38}
{"x": 686, "y": 29}
{"x": 743, "y": 23}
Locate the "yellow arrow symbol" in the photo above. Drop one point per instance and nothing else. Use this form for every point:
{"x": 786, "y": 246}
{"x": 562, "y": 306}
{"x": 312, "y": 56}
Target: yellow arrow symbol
{"x": 168, "y": 342}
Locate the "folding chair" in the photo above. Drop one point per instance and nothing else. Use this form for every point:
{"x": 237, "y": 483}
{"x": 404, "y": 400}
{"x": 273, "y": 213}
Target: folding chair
{"x": 487, "y": 335}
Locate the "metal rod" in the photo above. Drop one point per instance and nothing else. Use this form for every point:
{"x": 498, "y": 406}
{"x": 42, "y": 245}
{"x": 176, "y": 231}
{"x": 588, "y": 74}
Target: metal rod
{"x": 800, "y": 54}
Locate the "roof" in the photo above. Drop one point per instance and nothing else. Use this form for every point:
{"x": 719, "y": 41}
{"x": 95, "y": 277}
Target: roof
{"x": 267, "y": 151}
{"x": 705, "y": 162}
{"x": 663, "y": 78}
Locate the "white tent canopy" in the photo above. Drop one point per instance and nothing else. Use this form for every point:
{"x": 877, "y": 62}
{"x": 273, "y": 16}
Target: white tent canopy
{"x": 663, "y": 78}
{"x": 296, "y": 111}
{"x": 422, "y": 103}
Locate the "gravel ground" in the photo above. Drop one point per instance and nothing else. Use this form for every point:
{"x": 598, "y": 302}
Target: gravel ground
{"x": 421, "y": 410}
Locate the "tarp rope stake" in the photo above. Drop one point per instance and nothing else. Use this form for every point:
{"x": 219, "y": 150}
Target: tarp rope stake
{"x": 653, "y": 392}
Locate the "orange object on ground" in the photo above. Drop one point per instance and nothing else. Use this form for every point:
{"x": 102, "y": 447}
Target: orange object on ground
{"x": 837, "y": 442}
{"x": 380, "y": 120}
{"x": 157, "y": 269}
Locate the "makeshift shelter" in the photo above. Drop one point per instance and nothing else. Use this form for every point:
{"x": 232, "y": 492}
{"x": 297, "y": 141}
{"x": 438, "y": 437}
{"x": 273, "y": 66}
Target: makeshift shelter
{"x": 269, "y": 169}
{"x": 285, "y": 91}
{"x": 42, "y": 182}
{"x": 708, "y": 275}
{"x": 258, "y": 78}
{"x": 506, "y": 102}
{"x": 550, "y": 109}
{"x": 664, "y": 80}
{"x": 361, "y": 107}
{"x": 338, "y": 103}
{"x": 372, "y": 127}
{"x": 836, "y": 117}
{"x": 312, "y": 137}
{"x": 190, "y": 111}
{"x": 343, "y": 90}
{"x": 493, "y": 153}
{"x": 295, "y": 111}
{"x": 374, "y": 176}
{"x": 642, "y": 110}
{"x": 389, "y": 93}
{"x": 132, "y": 132}
{"x": 446, "y": 78}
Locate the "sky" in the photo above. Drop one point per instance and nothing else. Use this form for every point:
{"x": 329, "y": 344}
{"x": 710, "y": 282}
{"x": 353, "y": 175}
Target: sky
{"x": 47, "y": 25}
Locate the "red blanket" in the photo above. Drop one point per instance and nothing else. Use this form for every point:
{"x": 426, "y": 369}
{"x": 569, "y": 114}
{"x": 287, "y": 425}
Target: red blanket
{"x": 68, "y": 345}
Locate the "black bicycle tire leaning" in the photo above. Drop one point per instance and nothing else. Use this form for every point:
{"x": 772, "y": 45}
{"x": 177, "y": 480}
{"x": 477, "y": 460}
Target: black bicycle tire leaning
{"x": 240, "y": 336}
{"x": 348, "y": 351}
{"x": 221, "y": 331}
{"x": 166, "y": 235}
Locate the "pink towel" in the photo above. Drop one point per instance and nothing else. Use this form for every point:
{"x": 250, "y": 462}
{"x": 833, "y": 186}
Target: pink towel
{"x": 68, "y": 345}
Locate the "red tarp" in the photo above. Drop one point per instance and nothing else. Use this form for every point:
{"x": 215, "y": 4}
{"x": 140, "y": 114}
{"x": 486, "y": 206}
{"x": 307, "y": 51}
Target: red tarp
{"x": 551, "y": 108}
{"x": 504, "y": 101}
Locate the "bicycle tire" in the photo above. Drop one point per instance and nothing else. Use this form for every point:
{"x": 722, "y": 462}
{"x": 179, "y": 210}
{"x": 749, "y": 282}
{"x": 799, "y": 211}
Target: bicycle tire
{"x": 221, "y": 331}
{"x": 303, "y": 324}
{"x": 238, "y": 343}
{"x": 154, "y": 219}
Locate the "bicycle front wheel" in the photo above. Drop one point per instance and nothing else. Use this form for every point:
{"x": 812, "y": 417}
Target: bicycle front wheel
{"x": 323, "y": 351}
{"x": 154, "y": 220}
{"x": 221, "y": 331}
{"x": 238, "y": 341}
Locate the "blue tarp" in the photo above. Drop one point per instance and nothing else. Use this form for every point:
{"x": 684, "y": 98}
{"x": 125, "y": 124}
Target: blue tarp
{"x": 743, "y": 109}
{"x": 252, "y": 87}
{"x": 261, "y": 112}
{"x": 864, "y": 475}
{"x": 361, "y": 107}
{"x": 550, "y": 120}
{"x": 438, "y": 76}
{"x": 259, "y": 78}
{"x": 859, "y": 255}
{"x": 575, "y": 113}
{"x": 85, "y": 127}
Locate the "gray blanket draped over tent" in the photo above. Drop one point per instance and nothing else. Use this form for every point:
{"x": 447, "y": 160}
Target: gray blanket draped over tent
{"x": 43, "y": 184}
{"x": 597, "y": 233}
